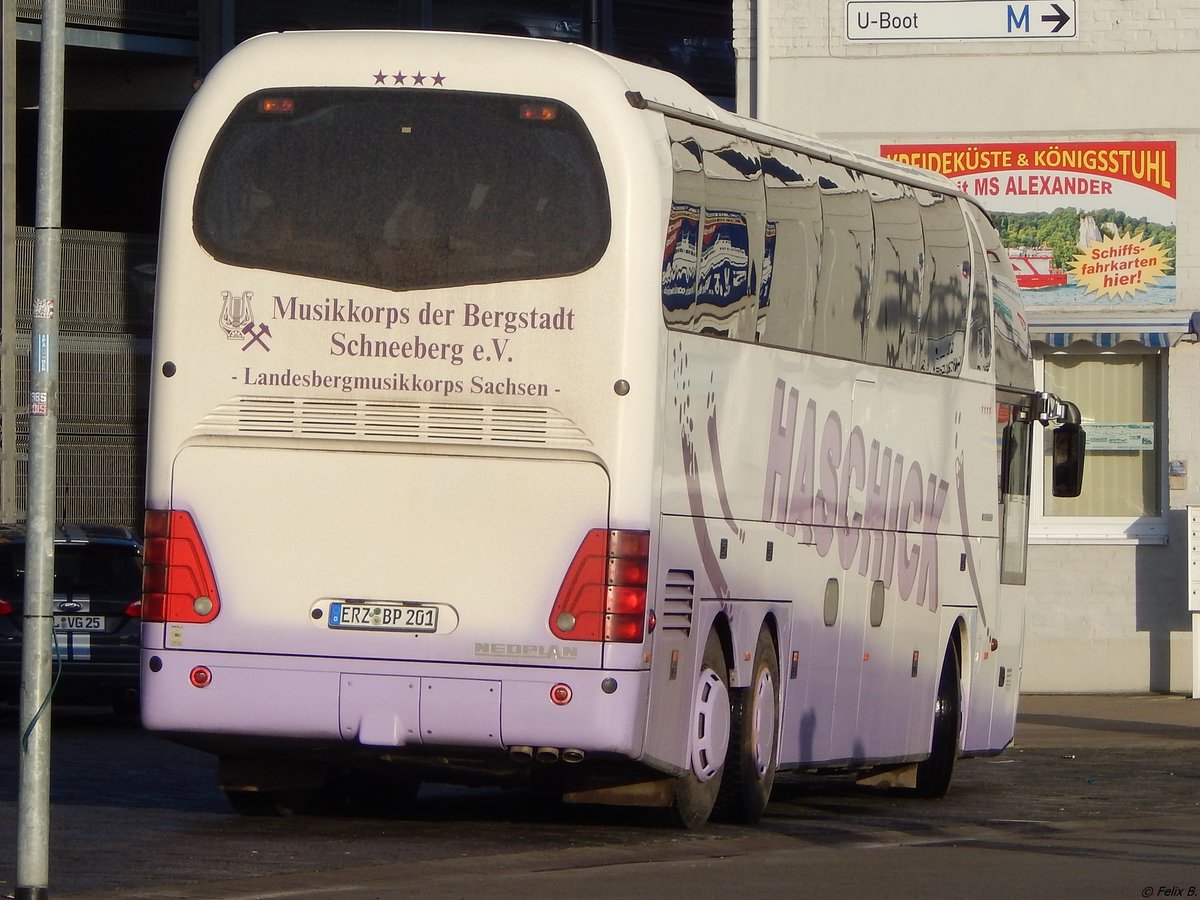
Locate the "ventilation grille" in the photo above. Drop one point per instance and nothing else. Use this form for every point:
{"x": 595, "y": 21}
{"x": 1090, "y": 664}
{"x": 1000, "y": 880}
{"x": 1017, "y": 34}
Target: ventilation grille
{"x": 437, "y": 423}
{"x": 678, "y": 602}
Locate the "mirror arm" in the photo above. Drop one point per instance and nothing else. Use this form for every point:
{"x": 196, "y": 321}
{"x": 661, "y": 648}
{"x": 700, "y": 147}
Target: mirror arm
{"x": 1050, "y": 408}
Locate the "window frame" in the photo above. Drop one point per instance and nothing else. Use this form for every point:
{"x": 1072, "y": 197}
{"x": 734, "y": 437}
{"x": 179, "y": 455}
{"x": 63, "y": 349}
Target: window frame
{"x": 1100, "y": 530}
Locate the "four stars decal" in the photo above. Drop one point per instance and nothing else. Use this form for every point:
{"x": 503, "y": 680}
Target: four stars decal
{"x": 418, "y": 79}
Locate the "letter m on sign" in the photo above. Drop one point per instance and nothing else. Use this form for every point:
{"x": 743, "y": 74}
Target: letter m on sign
{"x": 1018, "y": 21}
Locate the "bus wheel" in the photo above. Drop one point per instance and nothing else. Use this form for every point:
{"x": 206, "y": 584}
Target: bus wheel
{"x": 696, "y": 791}
{"x": 754, "y": 734}
{"x": 933, "y": 775}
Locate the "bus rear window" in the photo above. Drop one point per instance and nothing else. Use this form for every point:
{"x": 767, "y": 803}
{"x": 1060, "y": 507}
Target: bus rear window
{"x": 403, "y": 189}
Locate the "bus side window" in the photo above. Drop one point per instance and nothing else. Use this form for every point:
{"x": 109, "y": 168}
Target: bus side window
{"x": 943, "y": 285}
{"x": 844, "y": 276}
{"x": 896, "y": 276}
{"x": 732, "y": 231}
{"x": 979, "y": 351}
{"x": 681, "y": 253}
{"x": 792, "y": 249}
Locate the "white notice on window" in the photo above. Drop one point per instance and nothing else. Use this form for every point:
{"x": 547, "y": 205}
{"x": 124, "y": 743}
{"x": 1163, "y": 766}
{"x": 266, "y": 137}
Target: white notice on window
{"x": 1109, "y": 436}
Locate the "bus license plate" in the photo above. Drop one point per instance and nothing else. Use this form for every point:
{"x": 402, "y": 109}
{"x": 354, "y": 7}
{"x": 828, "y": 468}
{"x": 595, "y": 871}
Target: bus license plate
{"x": 383, "y": 617}
{"x": 79, "y": 623}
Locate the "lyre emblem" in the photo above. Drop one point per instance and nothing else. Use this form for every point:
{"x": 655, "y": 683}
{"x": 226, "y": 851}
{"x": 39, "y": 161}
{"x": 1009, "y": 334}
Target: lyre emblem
{"x": 236, "y": 313}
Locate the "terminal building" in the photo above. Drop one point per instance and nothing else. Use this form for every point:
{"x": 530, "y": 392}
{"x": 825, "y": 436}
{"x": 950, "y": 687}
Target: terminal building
{"x": 1063, "y": 118}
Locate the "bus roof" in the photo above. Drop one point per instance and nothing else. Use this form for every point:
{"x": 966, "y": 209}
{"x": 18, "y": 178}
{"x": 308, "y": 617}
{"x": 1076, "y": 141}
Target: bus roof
{"x": 507, "y": 64}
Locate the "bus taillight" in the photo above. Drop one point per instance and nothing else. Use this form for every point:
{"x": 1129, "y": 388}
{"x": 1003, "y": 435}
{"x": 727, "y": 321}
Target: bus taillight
{"x": 178, "y": 584}
{"x": 603, "y": 595}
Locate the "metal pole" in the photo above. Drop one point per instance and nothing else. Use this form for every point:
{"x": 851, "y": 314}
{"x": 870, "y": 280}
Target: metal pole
{"x": 762, "y": 56}
{"x": 33, "y": 826}
{"x": 591, "y": 24}
{"x": 8, "y": 262}
{"x": 1193, "y": 590}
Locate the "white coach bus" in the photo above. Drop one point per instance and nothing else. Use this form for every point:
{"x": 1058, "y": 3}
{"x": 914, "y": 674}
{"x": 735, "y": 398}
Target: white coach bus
{"x": 519, "y": 414}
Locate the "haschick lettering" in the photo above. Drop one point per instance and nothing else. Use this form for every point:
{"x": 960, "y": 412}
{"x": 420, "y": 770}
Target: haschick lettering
{"x": 811, "y": 479}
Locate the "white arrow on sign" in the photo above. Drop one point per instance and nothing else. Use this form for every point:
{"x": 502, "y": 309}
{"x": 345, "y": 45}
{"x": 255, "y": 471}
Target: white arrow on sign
{"x": 960, "y": 20}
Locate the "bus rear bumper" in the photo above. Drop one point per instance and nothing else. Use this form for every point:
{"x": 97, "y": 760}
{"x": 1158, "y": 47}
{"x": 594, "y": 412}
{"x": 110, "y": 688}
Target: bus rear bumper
{"x": 569, "y": 711}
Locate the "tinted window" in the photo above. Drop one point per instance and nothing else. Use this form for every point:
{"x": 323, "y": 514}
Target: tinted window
{"x": 97, "y": 568}
{"x": 731, "y": 239}
{"x": 404, "y": 189}
{"x": 793, "y": 251}
{"x": 896, "y": 277}
{"x": 980, "y": 337}
{"x": 944, "y": 282}
{"x": 716, "y": 243}
{"x": 681, "y": 255}
{"x": 844, "y": 272}
{"x": 828, "y": 258}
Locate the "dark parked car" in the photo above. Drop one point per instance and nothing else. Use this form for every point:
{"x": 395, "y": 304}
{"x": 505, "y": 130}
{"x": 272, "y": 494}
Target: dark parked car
{"x": 97, "y": 614}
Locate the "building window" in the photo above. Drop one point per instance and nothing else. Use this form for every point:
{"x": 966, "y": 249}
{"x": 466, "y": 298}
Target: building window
{"x": 1121, "y": 398}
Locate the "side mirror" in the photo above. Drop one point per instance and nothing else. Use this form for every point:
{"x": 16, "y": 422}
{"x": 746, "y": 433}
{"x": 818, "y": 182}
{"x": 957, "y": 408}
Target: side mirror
{"x": 1069, "y": 443}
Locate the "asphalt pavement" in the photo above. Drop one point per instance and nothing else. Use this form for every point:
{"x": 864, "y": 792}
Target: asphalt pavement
{"x": 1106, "y": 721}
{"x": 1097, "y": 797}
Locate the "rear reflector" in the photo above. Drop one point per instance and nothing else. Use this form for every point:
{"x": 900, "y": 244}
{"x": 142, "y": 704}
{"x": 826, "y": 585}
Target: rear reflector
{"x": 178, "y": 584}
{"x": 603, "y": 594}
{"x": 560, "y": 694}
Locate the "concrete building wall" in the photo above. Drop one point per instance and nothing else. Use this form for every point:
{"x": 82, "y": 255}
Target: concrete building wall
{"x": 1103, "y": 616}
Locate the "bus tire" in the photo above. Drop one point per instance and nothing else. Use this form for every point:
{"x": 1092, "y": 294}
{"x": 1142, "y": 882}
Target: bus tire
{"x": 753, "y": 740}
{"x": 933, "y": 775}
{"x": 708, "y": 740}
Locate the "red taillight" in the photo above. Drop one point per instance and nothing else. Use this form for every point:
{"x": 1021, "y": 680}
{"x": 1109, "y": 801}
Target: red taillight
{"x": 6, "y": 608}
{"x": 134, "y": 609}
{"x": 603, "y": 595}
{"x": 178, "y": 584}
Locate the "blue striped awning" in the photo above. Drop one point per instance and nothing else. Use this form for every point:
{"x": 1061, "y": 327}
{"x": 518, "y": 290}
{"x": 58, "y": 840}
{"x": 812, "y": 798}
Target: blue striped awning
{"x": 1106, "y": 329}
